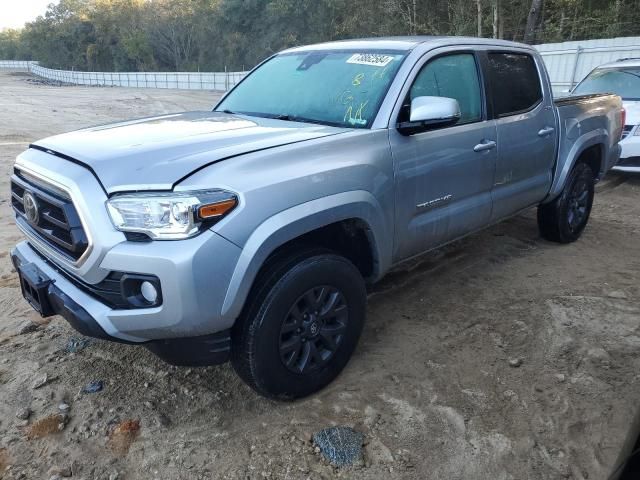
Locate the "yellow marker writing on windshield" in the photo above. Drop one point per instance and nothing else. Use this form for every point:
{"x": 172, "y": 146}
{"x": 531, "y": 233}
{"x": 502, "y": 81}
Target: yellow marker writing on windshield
{"x": 357, "y": 118}
{"x": 357, "y": 80}
{"x": 380, "y": 73}
{"x": 359, "y": 111}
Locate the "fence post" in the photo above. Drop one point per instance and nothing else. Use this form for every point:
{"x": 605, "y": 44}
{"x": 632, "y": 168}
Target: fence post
{"x": 575, "y": 66}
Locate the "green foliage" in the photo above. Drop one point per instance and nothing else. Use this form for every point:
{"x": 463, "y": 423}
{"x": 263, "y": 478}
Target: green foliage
{"x": 209, "y": 35}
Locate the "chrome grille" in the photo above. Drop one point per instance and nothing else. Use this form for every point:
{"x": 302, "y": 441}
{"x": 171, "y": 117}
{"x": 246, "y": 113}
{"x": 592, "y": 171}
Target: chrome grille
{"x": 55, "y": 221}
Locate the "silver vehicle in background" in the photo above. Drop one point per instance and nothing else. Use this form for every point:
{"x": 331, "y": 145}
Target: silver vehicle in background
{"x": 620, "y": 78}
{"x": 250, "y": 232}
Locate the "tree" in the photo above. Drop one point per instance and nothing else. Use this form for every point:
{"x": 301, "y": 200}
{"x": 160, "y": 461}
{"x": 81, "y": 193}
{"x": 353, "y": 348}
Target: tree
{"x": 532, "y": 21}
{"x": 152, "y": 35}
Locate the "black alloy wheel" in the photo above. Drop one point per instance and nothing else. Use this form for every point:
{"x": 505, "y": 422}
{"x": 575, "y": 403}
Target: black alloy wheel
{"x": 313, "y": 329}
{"x": 301, "y": 323}
{"x": 564, "y": 218}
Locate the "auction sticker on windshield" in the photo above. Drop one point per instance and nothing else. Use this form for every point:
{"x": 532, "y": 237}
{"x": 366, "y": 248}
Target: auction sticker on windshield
{"x": 373, "y": 59}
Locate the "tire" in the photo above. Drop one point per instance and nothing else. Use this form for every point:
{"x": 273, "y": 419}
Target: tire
{"x": 280, "y": 352}
{"x": 563, "y": 220}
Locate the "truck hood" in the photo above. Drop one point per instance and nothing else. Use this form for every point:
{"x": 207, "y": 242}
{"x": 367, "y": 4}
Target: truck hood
{"x": 156, "y": 153}
{"x": 633, "y": 112}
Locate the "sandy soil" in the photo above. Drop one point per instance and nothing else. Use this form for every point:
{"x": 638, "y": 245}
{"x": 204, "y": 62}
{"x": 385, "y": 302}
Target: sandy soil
{"x": 432, "y": 385}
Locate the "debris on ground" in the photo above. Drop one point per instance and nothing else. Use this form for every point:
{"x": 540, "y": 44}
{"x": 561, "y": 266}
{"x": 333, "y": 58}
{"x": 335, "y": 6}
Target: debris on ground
{"x": 4, "y": 459}
{"x": 60, "y": 472}
{"x": 64, "y": 407}
{"x": 617, "y": 294}
{"x": 378, "y": 453}
{"x": 340, "y": 445}
{"x": 93, "y": 387}
{"x": 515, "y": 362}
{"x": 46, "y": 426}
{"x": 41, "y": 381}
{"x": 23, "y": 413}
{"x": 75, "y": 345}
{"x": 123, "y": 435}
{"x": 28, "y": 327}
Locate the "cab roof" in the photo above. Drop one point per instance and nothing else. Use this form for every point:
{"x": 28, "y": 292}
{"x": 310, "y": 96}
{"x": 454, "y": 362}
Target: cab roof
{"x": 404, "y": 44}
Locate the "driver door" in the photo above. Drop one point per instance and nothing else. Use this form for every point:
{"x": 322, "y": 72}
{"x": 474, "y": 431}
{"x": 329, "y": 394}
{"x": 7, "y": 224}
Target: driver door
{"x": 444, "y": 176}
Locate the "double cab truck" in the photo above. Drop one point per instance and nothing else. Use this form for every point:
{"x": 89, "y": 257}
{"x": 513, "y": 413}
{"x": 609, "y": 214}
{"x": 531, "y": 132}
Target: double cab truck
{"x": 249, "y": 233}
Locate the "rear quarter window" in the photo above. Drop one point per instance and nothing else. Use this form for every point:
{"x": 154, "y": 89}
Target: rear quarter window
{"x": 514, "y": 83}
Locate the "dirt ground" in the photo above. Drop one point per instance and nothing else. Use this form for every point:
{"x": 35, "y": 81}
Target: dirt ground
{"x": 436, "y": 385}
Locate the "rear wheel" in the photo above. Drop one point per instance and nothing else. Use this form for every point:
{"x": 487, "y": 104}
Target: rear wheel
{"x": 564, "y": 219}
{"x": 301, "y": 324}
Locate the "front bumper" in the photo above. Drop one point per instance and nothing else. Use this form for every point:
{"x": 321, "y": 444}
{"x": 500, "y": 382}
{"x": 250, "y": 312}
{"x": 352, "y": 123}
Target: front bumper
{"x": 195, "y": 351}
{"x": 59, "y": 303}
{"x": 194, "y": 276}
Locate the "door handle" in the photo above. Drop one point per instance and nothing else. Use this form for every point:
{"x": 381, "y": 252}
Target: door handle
{"x": 546, "y": 131}
{"x": 486, "y": 145}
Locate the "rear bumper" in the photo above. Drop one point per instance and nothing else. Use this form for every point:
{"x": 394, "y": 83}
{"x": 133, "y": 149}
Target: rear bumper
{"x": 631, "y": 165}
{"x": 630, "y": 155}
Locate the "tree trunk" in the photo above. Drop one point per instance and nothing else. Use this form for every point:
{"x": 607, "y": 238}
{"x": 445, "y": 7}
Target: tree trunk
{"x": 415, "y": 17}
{"x": 495, "y": 18}
{"x": 532, "y": 21}
{"x": 479, "y": 5}
{"x": 575, "y": 21}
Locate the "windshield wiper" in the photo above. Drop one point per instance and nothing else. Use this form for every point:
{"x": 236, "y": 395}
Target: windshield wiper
{"x": 290, "y": 118}
{"x": 298, "y": 118}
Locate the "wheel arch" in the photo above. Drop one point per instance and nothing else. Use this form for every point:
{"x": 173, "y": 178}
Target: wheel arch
{"x": 312, "y": 223}
{"x": 591, "y": 147}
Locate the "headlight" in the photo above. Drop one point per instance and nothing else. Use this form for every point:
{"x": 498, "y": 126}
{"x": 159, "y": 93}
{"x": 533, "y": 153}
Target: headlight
{"x": 171, "y": 215}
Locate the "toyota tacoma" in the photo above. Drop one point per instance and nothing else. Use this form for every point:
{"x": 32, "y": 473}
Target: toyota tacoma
{"x": 250, "y": 232}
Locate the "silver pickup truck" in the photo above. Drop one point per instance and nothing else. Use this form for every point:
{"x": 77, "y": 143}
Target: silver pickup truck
{"x": 251, "y": 231}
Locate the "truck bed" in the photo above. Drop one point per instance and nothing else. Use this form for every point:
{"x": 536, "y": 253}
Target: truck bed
{"x": 584, "y": 120}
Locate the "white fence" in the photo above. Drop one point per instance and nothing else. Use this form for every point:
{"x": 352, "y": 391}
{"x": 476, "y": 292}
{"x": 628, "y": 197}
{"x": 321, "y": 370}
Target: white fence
{"x": 16, "y": 65}
{"x": 567, "y": 62}
{"x": 570, "y": 62}
{"x": 181, "y": 80}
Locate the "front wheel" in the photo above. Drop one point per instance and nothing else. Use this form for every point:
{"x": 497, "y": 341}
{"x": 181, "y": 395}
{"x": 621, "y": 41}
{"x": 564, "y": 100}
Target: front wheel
{"x": 564, "y": 219}
{"x": 301, "y": 324}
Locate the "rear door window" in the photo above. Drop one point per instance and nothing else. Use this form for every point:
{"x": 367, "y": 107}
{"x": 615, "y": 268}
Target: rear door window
{"x": 514, "y": 83}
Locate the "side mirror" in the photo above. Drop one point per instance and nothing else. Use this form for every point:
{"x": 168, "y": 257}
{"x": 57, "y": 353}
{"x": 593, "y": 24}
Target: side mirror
{"x": 430, "y": 112}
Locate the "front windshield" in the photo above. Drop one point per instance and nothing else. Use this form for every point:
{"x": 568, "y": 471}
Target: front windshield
{"x": 337, "y": 88}
{"x": 623, "y": 81}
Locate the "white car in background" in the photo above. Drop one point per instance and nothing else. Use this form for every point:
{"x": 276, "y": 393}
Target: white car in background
{"x": 622, "y": 78}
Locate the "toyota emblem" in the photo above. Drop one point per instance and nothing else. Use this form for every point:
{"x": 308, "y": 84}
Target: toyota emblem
{"x": 31, "y": 208}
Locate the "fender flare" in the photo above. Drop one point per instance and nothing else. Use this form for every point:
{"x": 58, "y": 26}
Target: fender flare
{"x": 296, "y": 221}
{"x": 599, "y": 136}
